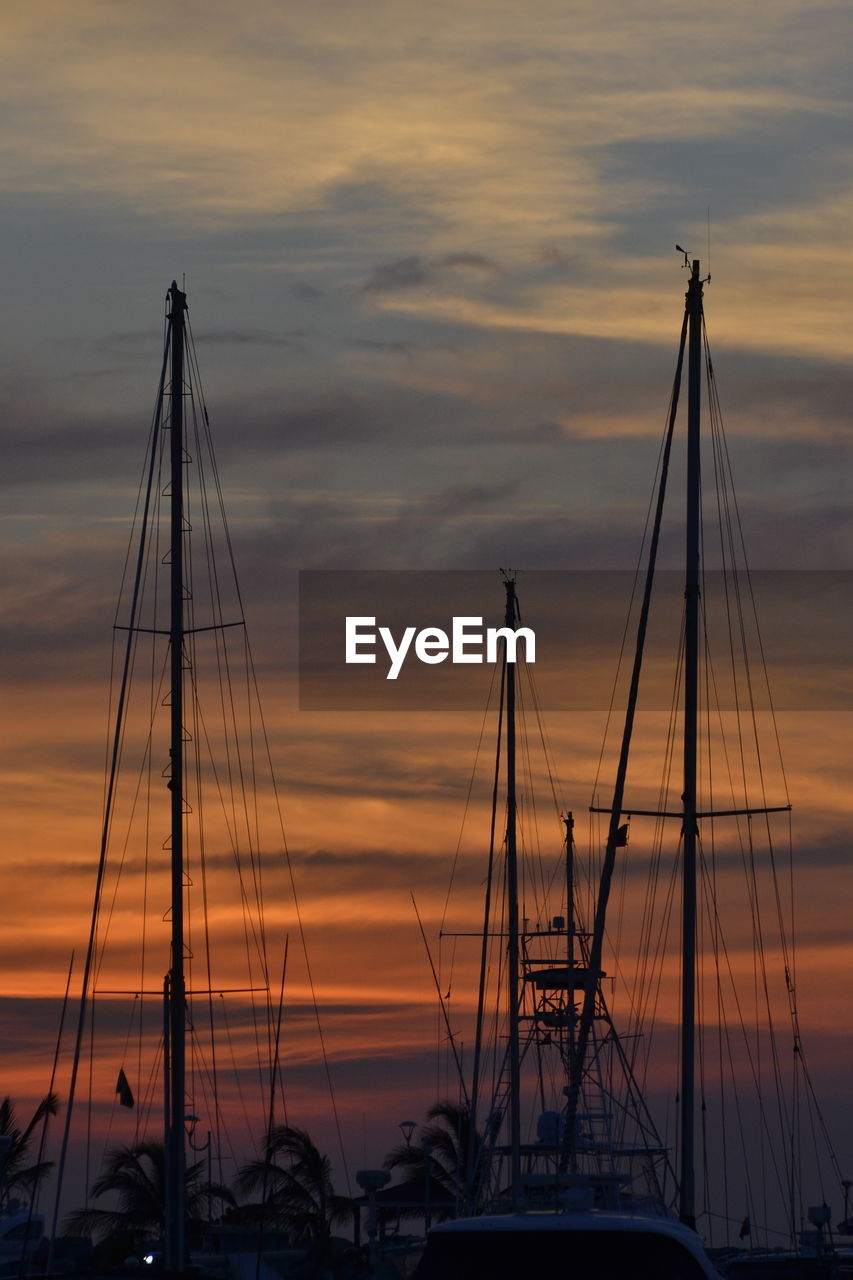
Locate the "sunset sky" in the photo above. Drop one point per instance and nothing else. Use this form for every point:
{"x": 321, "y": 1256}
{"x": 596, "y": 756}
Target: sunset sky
{"x": 429, "y": 252}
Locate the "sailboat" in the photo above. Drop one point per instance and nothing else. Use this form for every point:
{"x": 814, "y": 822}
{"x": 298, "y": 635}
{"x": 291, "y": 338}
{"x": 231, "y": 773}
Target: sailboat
{"x": 741, "y": 799}
{"x": 575, "y": 1210}
{"x": 188, "y": 793}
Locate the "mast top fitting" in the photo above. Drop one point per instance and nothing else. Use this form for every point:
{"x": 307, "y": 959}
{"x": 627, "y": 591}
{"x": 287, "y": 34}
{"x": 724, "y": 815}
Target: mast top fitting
{"x": 693, "y": 264}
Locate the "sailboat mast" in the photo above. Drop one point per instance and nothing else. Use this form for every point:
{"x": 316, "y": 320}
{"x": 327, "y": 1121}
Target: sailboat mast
{"x": 691, "y": 727}
{"x": 569, "y": 823}
{"x": 175, "y": 983}
{"x": 512, "y": 912}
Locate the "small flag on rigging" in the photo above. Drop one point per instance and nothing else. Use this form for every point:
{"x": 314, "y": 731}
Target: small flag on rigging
{"x": 123, "y": 1089}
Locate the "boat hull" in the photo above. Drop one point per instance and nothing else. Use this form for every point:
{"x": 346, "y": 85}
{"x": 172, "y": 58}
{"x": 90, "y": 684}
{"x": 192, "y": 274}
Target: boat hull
{"x": 583, "y": 1246}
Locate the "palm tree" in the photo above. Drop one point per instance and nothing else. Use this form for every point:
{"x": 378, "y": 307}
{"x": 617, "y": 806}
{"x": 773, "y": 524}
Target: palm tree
{"x": 16, "y": 1175}
{"x": 136, "y": 1175}
{"x": 443, "y": 1148}
{"x": 295, "y": 1182}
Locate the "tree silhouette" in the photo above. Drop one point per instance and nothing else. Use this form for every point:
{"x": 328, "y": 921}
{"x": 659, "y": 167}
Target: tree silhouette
{"x": 295, "y": 1184}
{"x": 136, "y": 1175}
{"x": 444, "y": 1141}
{"x": 18, "y": 1176}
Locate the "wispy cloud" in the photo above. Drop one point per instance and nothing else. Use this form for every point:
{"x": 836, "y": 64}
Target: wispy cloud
{"x": 406, "y": 273}
{"x": 430, "y": 257}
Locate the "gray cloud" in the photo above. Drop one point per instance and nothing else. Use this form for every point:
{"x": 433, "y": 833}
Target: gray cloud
{"x": 294, "y": 338}
{"x": 415, "y": 271}
{"x": 392, "y": 348}
{"x": 306, "y": 292}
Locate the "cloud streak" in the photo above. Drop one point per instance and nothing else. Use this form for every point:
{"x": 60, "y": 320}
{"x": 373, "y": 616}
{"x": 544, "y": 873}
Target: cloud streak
{"x": 429, "y": 253}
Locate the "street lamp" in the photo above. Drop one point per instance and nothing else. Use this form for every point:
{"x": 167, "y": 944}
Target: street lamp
{"x": 407, "y": 1128}
{"x": 371, "y": 1181}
